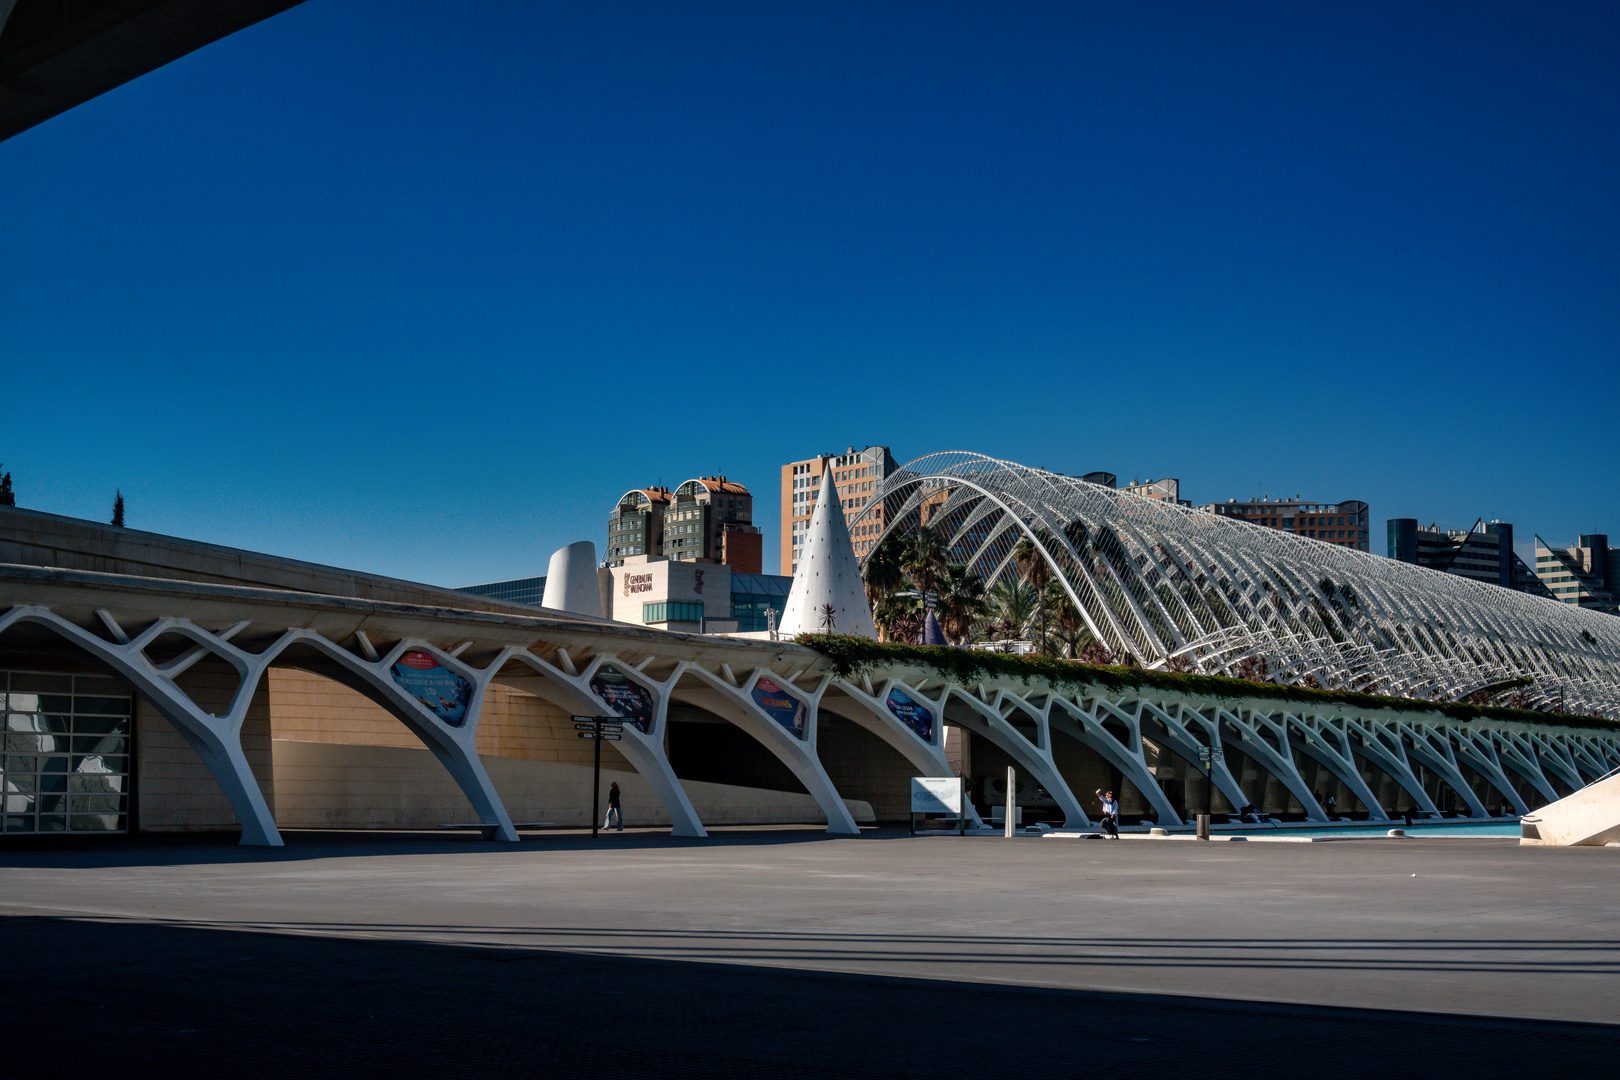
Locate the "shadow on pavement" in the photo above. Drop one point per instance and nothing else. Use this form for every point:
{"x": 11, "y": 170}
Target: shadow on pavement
{"x": 147, "y": 1000}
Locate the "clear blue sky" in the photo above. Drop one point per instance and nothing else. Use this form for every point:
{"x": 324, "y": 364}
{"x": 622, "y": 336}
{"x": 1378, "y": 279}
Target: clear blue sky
{"x": 422, "y": 288}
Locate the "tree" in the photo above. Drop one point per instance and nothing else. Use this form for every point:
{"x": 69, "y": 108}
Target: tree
{"x": 118, "y": 510}
{"x": 925, "y": 561}
{"x": 961, "y": 602}
{"x": 6, "y": 496}
{"x": 898, "y": 618}
{"x": 885, "y": 570}
{"x": 1034, "y": 568}
{"x": 1010, "y": 609}
{"x": 1069, "y": 626}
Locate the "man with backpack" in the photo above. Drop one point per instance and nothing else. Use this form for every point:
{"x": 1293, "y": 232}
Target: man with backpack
{"x": 1110, "y": 814}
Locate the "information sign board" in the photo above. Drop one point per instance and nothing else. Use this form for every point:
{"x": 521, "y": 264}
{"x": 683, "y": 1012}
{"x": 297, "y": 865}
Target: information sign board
{"x": 936, "y": 794}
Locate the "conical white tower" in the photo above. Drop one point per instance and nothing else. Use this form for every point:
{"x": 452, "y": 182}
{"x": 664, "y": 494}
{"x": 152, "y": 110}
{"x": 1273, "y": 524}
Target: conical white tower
{"x": 828, "y": 596}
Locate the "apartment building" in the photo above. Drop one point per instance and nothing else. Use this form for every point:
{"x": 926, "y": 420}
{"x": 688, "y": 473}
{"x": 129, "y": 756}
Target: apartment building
{"x": 1586, "y": 575}
{"x": 858, "y": 474}
{"x": 1341, "y": 523}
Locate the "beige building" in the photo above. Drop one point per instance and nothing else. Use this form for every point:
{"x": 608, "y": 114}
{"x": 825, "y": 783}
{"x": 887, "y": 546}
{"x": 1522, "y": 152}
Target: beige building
{"x": 670, "y": 594}
{"x": 1343, "y": 524}
{"x": 858, "y": 474}
{"x": 709, "y": 519}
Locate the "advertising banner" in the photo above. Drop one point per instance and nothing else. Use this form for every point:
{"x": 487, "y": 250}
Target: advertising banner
{"x": 781, "y": 706}
{"x": 628, "y": 699}
{"x": 444, "y": 693}
{"x": 936, "y": 795}
{"x": 910, "y": 713}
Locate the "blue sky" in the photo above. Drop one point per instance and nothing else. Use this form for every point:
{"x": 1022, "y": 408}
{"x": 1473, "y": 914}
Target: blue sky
{"x": 421, "y": 289}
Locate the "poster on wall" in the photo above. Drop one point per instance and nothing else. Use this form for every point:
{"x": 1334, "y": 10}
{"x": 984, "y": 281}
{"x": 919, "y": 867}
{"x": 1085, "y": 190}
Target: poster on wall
{"x": 910, "y": 713}
{"x": 623, "y": 697}
{"x": 440, "y": 690}
{"x": 780, "y": 706}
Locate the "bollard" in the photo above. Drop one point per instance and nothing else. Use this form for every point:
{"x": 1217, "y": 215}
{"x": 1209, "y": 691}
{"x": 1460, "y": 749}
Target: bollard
{"x": 1012, "y": 800}
{"x": 1203, "y": 826}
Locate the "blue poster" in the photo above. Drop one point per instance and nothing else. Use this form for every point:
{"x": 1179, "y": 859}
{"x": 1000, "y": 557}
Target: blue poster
{"x": 440, "y": 690}
{"x": 910, "y": 713}
{"x": 780, "y": 706}
{"x": 624, "y": 698}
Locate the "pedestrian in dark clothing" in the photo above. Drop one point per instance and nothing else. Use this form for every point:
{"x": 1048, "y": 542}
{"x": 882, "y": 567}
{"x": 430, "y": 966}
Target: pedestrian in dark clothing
{"x": 615, "y": 813}
{"x": 1110, "y": 815}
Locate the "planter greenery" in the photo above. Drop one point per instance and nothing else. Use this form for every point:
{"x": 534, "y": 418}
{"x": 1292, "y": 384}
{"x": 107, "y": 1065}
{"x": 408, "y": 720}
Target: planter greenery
{"x": 852, "y": 657}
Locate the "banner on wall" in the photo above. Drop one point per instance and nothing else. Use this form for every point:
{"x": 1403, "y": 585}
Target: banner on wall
{"x": 440, "y": 690}
{"x": 624, "y": 697}
{"x": 911, "y": 713}
{"x": 780, "y": 706}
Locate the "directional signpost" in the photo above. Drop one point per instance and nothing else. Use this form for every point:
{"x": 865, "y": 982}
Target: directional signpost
{"x": 598, "y": 728}
{"x": 1208, "y": 756}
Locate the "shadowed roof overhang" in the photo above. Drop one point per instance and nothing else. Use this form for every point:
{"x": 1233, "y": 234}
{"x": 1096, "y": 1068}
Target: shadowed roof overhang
{"x": 55, "y": 54}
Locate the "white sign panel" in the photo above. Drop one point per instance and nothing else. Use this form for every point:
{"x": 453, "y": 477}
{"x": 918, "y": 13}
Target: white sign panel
{"x": 936, "y": 795}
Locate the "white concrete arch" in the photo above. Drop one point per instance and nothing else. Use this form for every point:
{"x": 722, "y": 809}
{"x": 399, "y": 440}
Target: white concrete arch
{"x": 989, "y": 721}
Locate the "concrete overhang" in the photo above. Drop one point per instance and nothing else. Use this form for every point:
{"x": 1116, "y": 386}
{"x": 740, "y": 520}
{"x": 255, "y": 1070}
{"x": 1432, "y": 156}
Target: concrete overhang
{"x": 55, "y": 55}
{"x": 137, "y": 602}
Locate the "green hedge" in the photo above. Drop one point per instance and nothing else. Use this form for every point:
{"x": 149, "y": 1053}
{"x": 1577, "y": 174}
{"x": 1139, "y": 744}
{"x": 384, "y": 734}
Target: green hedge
{"x": 853, "y": 656}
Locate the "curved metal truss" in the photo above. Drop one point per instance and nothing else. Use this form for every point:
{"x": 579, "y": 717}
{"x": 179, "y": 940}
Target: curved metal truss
{"x": 1156, "y": 581}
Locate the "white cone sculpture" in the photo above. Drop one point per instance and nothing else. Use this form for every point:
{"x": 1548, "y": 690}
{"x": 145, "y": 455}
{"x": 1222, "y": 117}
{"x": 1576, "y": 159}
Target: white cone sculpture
{"x": 571, "y": 581}
{"x": 828, "y": 596}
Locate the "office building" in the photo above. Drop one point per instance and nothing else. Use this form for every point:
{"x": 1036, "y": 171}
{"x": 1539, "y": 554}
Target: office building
{"x": 1481, "y": 553}
{"x": 710, "y": 519}
{"x": 1343, "y": 523}
{"x": 858, "y": 474}
{"x": 1586, "y": 575}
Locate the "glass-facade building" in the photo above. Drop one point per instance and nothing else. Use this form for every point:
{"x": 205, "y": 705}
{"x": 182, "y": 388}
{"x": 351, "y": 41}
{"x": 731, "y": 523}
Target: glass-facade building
{"x": 65, "y": 767}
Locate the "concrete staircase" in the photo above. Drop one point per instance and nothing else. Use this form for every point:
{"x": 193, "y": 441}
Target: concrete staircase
{"x": 1590, "y": 817}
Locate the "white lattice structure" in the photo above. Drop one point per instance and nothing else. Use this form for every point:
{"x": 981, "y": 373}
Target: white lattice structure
{"x": 1156, "y": 581}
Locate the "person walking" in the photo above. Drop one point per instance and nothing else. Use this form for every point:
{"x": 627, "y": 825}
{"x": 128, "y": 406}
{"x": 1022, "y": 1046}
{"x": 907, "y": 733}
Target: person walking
{"x": 615, "y": 813}
{"x": 1110, "y": 815}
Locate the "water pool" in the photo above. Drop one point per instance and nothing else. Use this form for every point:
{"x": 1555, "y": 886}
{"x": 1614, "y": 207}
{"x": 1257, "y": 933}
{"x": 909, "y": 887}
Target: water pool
{"x": 1421, "y": 828}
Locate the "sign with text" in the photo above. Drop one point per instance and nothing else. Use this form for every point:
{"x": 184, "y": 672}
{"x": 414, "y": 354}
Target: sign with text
{"x": 440, "y": 690}
{"x": 936, "y": 794}
{"x": 780, "y": 706}
{"x": 628, "y": 699}
{"x": 914, "y": 715}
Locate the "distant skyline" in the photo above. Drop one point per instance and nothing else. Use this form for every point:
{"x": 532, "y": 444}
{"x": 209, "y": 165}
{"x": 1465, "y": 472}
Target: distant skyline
{"x": 421, "y": 292}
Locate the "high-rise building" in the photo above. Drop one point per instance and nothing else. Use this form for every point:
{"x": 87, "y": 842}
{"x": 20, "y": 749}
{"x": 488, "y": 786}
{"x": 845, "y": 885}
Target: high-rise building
{"x": 1586, "y": 575}
{"x": 710, "y": 519}
{"x": 1166, "y": 490}
{"x": 1342, "y": 523}
{"x": 1481, "y": 553}
{"x": 858, "y": 473}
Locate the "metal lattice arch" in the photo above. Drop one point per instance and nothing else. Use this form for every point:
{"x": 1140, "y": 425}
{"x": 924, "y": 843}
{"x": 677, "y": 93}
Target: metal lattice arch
{"x": 1157, "y": 581}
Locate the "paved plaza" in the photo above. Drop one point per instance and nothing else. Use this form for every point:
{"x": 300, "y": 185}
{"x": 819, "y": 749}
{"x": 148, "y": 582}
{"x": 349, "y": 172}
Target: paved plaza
{"x": 786, "y": 953}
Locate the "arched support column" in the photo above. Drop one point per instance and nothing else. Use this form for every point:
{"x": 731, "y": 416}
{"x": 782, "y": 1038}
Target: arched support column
{"x": 1522, "y": 757}
{"x": 867, "y": 708}
{"x": 1330, "y": 746}
{"x": 988, "y": 720}
{"x": 736, "y": 704}
{"x": 455, "y": 747}
{"x": 1385, "y": 749}
{"x": 1087, "y": 728}
{"x": 217, "y": 740}
{"x": 1281, "y": 765}
{"x": 643, "y": 749}
{"x": 1480, "y": 754}
{"x": 1177, "y": 724}
{"x": 1551, "y": 756}
{"x": 1434, "y": 751}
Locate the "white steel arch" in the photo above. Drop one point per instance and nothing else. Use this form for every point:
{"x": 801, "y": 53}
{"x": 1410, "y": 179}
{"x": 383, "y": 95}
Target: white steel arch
{"x": 1153, "y": 580}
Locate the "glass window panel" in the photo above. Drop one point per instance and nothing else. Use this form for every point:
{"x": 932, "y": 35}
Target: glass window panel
{"x": 52, "y": 804}
{"x": 95, "y": 804}
{"x": 96, "y": 782}
{"x": 18, "y": 802}
{"x": 116, "y": 706}
{"x": 55, "y": 703}
{"x": 59, "y": 723}
{"x": 99, "y": 744}
{"x": 96, "y": 823}
{"x": 53, "y": 823}
{"x": 21, "y": 764}
{"x": 16, "y": 781}
{"x": 16, "y": 824}
{"x": 28, "y": 743}
{"x": 99, "y": 684}
{"x": 101, "y": 725}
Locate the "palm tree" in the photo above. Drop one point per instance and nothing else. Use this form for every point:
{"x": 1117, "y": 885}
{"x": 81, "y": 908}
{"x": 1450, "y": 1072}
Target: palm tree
{"x": 1069, "y": 626}
{"x": 961, "y": 602}
{"x": 1034, "y": 568}
{"x": 925, "y": 561}
{"x": 898, "y": 618}
{"x": 885, "y": 570}
{"x": 1010, "y": 609}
